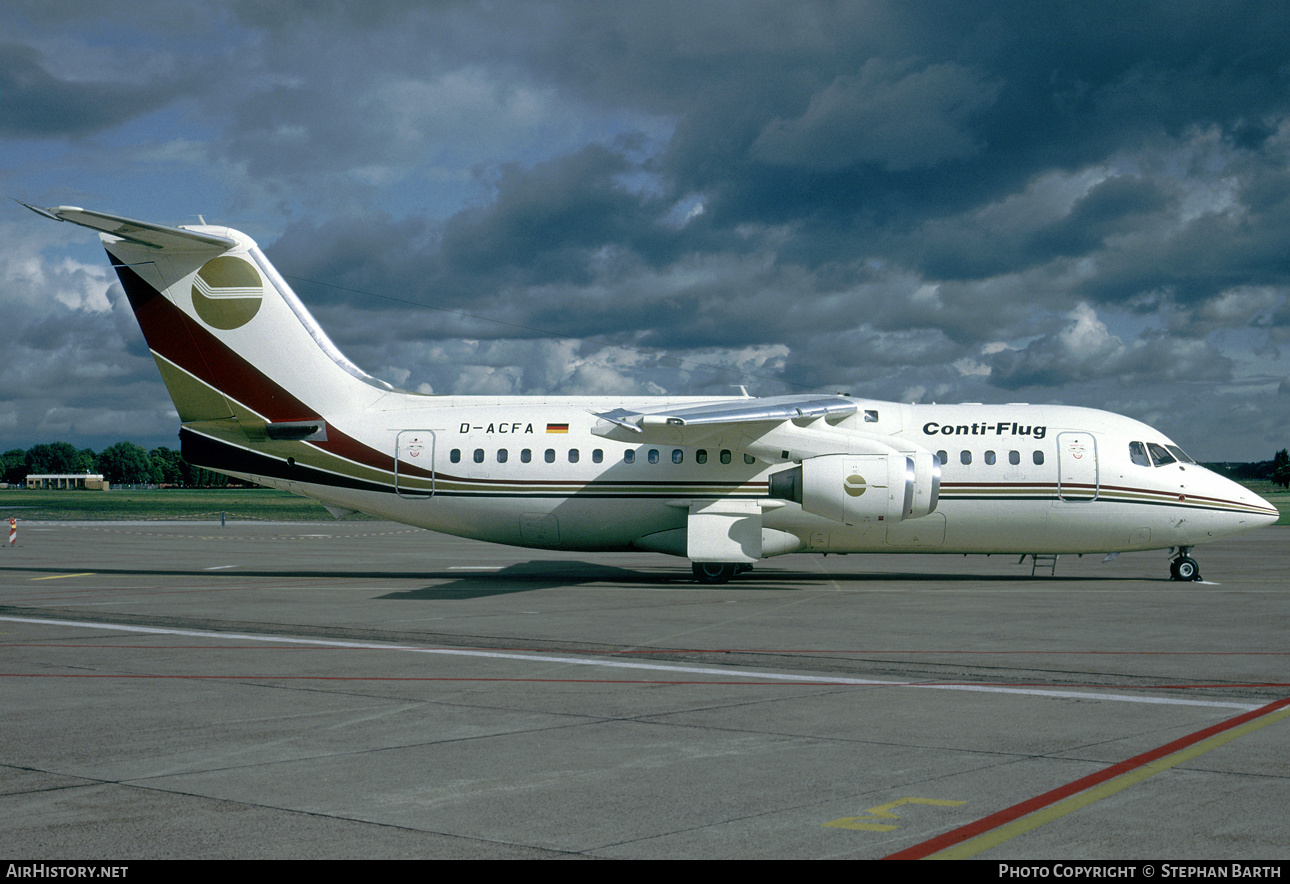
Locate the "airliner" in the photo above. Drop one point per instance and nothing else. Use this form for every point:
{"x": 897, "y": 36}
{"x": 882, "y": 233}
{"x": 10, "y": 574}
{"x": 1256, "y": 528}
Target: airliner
{"x": 264, "y": 395}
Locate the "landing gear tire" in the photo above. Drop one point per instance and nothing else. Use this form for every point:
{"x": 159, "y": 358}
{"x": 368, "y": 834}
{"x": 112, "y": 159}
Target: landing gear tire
{"x": 1184, "y": 568}
{"x": 715, "y": 572}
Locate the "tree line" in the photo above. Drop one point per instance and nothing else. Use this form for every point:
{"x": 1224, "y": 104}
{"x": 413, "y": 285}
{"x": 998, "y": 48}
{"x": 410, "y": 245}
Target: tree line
{"x": 121, "y": 464}
{"x": 1276, "y": 471}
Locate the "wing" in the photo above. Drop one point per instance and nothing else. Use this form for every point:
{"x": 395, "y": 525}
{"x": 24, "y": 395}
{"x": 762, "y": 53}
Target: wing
{"x": 768, "y": 411}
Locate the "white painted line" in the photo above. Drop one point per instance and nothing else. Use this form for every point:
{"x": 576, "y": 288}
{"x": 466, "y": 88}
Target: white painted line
{"x": 648, "y": 667}
{"x": 219, "y": 567}
{"x": 475, "y": 567}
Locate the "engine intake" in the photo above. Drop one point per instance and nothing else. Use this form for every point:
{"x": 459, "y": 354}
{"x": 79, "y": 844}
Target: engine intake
{"x": 852, "y": 488}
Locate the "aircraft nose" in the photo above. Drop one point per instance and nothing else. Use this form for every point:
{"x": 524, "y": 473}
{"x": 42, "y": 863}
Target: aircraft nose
{"x": 1257, "y": 512}
{"x": 1271, "y": 514}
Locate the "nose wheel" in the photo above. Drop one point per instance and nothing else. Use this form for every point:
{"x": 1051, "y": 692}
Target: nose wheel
{"x": 1184, "y": 567}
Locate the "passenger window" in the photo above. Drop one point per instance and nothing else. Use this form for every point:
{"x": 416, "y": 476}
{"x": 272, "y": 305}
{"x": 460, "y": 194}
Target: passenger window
{"x": 573, "y": 455}
{"x": 989, "y": 458}
{"x": 479, "y": 455}
{"x": 653, "y": 455}
{"x": 629, "y": 456}
{"x": 701, "y": 456}
{"x": 677, "y": 455}
{"x": 725, "y": 455}
{"x": 597, "y": 456}
{"x": 455, "y": 457}
{"x": 526, "y": 456}
{"x": 943, "y": 457}
{"x": 549, "y": 456}
{"x": 1014, "y": 457}
{"x": 502, "y": 455}
{"x": 965, "y": 457}
{"x": 870, "y": 416}
{"x": 1038, "y": 458}
{"x": 1138, "y": 454}
{"x": 748, "y": 458}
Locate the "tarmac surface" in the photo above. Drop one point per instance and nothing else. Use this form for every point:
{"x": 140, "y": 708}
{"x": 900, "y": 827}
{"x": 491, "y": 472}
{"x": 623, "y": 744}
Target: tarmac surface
{"x": 366, "y": 689}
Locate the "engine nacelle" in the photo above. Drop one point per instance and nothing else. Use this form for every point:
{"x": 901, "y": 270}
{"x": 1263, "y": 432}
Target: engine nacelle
{"x": 851, "y": 488}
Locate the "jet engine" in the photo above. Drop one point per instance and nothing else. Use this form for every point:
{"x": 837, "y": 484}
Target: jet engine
{"x": 851, "y": 488}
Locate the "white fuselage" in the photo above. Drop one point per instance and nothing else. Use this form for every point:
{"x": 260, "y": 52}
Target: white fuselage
{"x": 1014, "y": 478}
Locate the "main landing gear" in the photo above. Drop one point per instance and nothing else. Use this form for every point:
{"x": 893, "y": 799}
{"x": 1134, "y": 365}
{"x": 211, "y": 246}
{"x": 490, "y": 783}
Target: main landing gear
{"x": 717, "y": 572}
{"x": 1184, "y": 567}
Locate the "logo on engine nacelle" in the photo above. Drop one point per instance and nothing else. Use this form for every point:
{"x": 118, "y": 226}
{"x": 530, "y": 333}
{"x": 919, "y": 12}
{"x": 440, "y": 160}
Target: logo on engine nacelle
{"x": 854, "y": 485}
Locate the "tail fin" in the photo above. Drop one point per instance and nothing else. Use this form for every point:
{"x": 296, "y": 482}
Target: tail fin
{"x": 244, "y": 362}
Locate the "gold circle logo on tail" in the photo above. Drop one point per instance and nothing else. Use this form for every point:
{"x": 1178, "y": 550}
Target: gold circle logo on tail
{"x": 854, "y": 485}
{"x": 227, "y": 292}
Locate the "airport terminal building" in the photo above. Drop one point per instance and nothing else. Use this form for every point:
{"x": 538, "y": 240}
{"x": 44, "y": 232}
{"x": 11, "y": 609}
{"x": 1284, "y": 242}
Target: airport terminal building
{"x": 80, "y": 481}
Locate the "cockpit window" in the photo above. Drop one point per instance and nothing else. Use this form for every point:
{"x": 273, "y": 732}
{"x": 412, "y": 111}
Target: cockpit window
{"x": 1160, "y": 455}
{"x": 1180, "y": 454}
{"x": 1138, "y": 454}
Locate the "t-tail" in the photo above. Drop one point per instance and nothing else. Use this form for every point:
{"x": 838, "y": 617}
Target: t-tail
{"x": 249, "y": 370}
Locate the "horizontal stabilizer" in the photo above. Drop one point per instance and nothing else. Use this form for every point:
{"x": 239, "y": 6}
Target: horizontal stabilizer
{"x": 156, "y": 236}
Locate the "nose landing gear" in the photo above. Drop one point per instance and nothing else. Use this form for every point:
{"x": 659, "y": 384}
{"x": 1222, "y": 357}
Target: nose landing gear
{"x": 1184, "y": 567}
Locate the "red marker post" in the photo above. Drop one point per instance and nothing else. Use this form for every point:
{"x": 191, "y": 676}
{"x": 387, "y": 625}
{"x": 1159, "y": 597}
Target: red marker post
{"x": 13, "y": 531}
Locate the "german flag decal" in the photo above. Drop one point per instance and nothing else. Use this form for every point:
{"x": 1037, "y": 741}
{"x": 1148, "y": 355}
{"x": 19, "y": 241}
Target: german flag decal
{"x": 557, "y": 428}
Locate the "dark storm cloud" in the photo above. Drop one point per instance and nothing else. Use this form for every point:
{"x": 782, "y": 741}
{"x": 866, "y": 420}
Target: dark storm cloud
{"x": 1115, "y": 206}
{"x": 924, "y": 198}
{"x": 571, "y": 222}
{"x": 1037, "y": 88}
{"x": 354, "y": 255}
{"x": 864, "y": 126}
{"x": 989, "y": 243}
{"x": 893, "y": 115}
{"x": 546, "y": 223}
{"x": 1240, "y": 245}
{"x": 35, "y": 103}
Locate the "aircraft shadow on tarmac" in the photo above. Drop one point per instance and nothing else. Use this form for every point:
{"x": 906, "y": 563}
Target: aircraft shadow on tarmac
{"x": 532, "y": 576}
{"x": 536, "y": 575}
{"x": 556, "y": 574}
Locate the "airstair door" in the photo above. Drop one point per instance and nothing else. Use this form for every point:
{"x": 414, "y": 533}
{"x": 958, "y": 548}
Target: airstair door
{"x": 414, "y": 463}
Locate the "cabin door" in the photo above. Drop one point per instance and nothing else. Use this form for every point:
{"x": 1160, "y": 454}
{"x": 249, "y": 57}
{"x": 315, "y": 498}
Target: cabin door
{"x": 414, "y": 463}
{"x": 1077, "y": 478}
